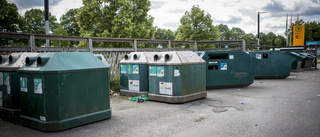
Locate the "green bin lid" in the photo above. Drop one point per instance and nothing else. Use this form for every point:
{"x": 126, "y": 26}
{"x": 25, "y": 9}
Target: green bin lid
{"x": 64, "y": 61}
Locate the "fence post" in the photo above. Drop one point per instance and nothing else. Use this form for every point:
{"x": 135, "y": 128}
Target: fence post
{"x": 134, "y": 46}
{"x": 243, "y": 45}
{"x": 169, "y": 45}
{"x": 89, "y": 43}
{"x": 195, "y": 46}
{"x": 32, "y": 43}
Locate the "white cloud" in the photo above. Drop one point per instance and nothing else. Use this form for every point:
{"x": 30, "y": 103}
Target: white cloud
{"x": 64, "y": 6}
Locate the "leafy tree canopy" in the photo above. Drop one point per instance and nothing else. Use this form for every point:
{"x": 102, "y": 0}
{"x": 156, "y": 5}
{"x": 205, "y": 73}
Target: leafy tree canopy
{"x": 60, "y": 43}
{"x": 117, "y": 19}
{"x": 35, "y": 22}
{"x": 69, "y": 23}
{"x": 196, "y": 25}
{"x": 9, "y": 17}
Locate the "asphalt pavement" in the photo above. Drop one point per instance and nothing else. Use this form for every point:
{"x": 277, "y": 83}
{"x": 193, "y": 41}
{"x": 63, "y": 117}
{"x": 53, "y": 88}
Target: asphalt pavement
{"x": 279, "y": 107}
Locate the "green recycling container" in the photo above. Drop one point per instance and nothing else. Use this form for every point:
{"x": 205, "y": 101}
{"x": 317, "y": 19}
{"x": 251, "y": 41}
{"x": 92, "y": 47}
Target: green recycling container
{"x": 63, "y": 90}
{"x": 177, "y": 77}
{"x": 307, "y": 63}
{"x": 9, "y": 84}
{"x": 273, "y": 65}
{"x": 134, "y": 74}
{"x": 296, "y": 65}
{"x": 229, "y": 69}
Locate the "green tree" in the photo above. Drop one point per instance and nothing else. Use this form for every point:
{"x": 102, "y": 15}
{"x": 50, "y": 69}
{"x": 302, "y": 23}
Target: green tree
{"x": 69, "y": 23}
{"x": 9, "y": 17}
{"x": 224, "y": 31}
{"x": 283, "y": 40}
{"x": 250, "y": 38}
{"x": 196, "y": 25}
{"x": 35, "y": 23}
{"x": 236, "y": 34}
{"x": 312, "y": 31}
{"x": 60, "y": 43}
{"x": 10, "y": 21}
{"x": 164, "y": 34}
{"x": 117, "y": 19}
{"x": 263, "y": 39}
{"x": 278, "y": 41}
{"x": 271, "y": 37}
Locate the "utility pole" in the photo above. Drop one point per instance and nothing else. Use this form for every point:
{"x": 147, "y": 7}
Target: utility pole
{"x": 291, "y": 30}
{"x": 287, "y": 33}
{"x": 46, "y": 17}
{"x": 259, "y": 26}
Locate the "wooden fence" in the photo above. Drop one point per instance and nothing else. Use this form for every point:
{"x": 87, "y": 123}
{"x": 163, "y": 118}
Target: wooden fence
{"x": 112, "y": 55}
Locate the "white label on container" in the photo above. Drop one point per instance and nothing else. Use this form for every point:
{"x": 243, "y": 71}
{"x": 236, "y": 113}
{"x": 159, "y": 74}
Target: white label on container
{"x": 223, "y": 66}
{"x": 153, "y": 71}
{"x": 160, "y": 71}
{"x": 1, "y": 78}
{"x": 23, "y": 84}
{"x": 258, "y": 56}
{"x": 165, "y": 88}
{"x": 134, "y": 85}
{"x": 176, "y": 73}
{"x": 123, "y": 69}
{"x": 1, "y": 98}
{"x": 135, "y": 69}
{"x": 231, "y": 56}
{"x": 8, "y": 89}
{"x": 6, "y": 78}
{"x": 213, "y": 62}
{"x": 37, "y": 86}
{"x": 42, "y": 118}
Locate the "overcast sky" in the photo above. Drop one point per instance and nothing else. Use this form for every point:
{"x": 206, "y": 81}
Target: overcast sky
{"x": 234, "y": 13}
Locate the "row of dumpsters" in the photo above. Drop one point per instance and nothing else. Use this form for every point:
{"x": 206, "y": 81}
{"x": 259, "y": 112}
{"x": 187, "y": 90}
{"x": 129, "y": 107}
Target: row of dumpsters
{"x": 61, "y": 90}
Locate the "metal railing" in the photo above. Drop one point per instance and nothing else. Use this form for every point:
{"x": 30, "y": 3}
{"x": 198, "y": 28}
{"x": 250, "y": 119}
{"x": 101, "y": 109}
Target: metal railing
{"x": 112, "y": 55}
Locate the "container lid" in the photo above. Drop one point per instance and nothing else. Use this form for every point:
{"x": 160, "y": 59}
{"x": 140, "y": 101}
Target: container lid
{"x": 306, "y": 54}
{"x": 176, "y": 58}
{"x": 297, "y": 55}
{"x": 102, "y": 58}
{"x": 136, "y": 58}
{"x": 64, "y": 61}
{"x": 16, "y": 60}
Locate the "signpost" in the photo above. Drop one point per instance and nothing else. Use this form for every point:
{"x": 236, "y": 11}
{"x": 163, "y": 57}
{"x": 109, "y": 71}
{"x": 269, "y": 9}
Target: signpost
{"x": 298, "y": 35}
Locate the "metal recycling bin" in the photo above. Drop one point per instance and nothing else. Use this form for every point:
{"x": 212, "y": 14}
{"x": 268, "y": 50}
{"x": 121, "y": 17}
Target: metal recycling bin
{"x": 134, "y": 74}
{"x": 9, "y": 84}
{"x": 273, "y": 65}
{"x": 229, "y": 69}
{"x": 307, "y": 63}
{"x": 296, "y": 65}
{"x": 63, "y": 90}
{"x": 177, "y": 77}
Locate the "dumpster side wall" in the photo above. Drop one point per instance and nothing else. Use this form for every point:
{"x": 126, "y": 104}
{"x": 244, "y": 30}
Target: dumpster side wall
{"x": 193, "y": 79}
{"x": 82, "y": 93}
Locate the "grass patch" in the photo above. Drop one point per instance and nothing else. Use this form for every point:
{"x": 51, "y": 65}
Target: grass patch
{"x": 115, "y": 86}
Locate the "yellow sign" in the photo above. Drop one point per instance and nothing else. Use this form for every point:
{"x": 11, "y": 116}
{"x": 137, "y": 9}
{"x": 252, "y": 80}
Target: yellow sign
{"x": 298, "y": 35}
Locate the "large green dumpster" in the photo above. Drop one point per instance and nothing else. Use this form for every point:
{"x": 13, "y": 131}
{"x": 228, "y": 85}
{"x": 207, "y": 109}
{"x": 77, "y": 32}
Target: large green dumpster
{"x": 134, "y": 74}
{"x": 63, "y": 90}
{"x": 307, "y": 63}
{"x": 273, "y": 65}
{"x": 9, "y": 85}
{"x": 296, "y": 65}
{"x": 228, "y": 69}
{"x": 177, "y": 77}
